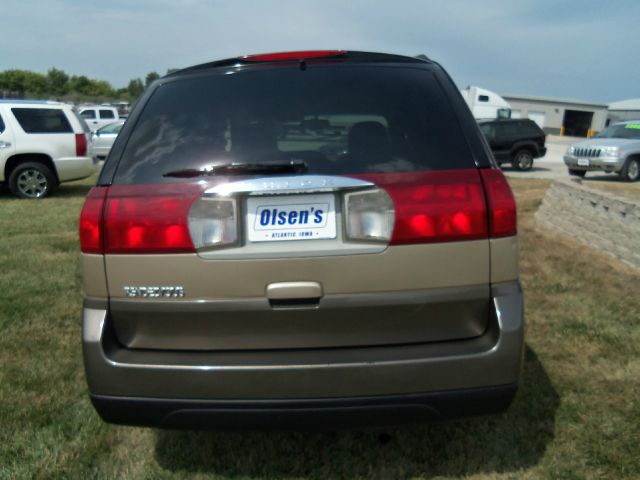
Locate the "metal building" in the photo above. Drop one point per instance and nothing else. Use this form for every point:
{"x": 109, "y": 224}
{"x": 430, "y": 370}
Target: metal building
{"x": 624, "y": 110}
{"x": 560, "y": 116}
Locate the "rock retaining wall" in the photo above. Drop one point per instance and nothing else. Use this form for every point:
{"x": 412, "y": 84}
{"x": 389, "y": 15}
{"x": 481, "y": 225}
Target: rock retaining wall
{"x": 601, "y": 220}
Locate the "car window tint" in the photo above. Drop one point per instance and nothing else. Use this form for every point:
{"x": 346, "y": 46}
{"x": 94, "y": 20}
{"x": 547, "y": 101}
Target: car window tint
{"x": 532, "y": 128}
{"x": 111, "y": 128}
{"x": 88, "y": 114}
{"x": 487, "y": 129}
{"x": 42, "y": 120}
{"x": 107, "y": 114}
{"x": 507, "y": 129}
{"x": 83, "y": 124}
{"x": 1, "y": 125}
{"x": 347, "y": 119}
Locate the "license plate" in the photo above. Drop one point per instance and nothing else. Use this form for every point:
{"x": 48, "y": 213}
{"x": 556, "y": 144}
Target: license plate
{"x": 583, "y": 162}
{"x": 291, "y": 217}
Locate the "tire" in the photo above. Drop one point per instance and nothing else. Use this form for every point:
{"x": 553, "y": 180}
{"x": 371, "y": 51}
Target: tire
{"x": 577, "y": 173}
{"x": 522, "y": 160}
{"x": 631, "y": 170}
{"x": 32, "y": 180}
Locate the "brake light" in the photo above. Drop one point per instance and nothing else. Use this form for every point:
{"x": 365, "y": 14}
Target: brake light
{"x": 502, "y": 206}
{"x": 81, "y": 144}
{"x": 91, "y": 231}
{"x": 437, "y": 206}
{"x": 301, "y": 55}
{"x": 149, "y": 219}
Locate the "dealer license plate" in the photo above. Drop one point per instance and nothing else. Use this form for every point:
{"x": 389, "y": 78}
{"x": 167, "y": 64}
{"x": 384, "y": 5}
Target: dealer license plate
{"x": 291, "y": 217}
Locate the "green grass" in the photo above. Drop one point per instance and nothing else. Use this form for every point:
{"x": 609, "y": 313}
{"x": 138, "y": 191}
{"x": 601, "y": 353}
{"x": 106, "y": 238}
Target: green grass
{"x": 576, "y": 415}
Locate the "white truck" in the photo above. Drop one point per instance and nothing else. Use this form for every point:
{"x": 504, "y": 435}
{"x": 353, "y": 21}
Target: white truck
{"x": 484, "y": 103}
{"x": 97, "y": 116}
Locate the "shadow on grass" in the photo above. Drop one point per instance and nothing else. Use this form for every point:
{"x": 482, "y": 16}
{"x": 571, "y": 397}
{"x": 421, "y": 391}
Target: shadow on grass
{"x": 503, "y": 443}
{"x": 63, "y": 191}
{"x": 534, "y": 168}
{"x": 603, "y": 177}
{"x": 72, "y": 191}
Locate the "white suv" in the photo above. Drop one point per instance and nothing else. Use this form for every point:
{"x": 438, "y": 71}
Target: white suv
{"x": 41, "y": 145}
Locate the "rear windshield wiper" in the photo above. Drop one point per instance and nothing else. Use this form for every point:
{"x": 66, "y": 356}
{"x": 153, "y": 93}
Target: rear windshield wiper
{"x": 292, "y": 166}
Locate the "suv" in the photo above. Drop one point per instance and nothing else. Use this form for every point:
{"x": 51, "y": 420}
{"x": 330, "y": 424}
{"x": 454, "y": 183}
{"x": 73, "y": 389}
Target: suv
{"x": 616, "y": 149}
{"x": 300, "y": 238}
{"x": 41, "y": 145}
{"x": 98, "y": 116}
{"x": 515, "y": 141}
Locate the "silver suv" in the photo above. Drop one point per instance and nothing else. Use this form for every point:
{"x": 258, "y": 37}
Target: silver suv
{"x": 300, "y": 238}
{"x": 616, "y": 149}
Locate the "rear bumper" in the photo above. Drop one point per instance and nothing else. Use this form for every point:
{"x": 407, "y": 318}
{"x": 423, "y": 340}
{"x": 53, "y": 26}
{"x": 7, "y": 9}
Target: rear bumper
{"x": 172, "y": 388}
{"x": 74, "y": 168}
{"x": 307, "y": 413}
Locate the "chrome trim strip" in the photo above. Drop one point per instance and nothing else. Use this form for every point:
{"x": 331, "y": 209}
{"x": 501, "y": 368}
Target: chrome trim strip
{"x": 288, "y": 185}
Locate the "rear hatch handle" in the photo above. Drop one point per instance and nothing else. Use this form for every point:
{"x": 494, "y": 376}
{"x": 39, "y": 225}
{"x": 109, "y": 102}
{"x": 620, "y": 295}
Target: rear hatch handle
{"x": 294, "y": 294}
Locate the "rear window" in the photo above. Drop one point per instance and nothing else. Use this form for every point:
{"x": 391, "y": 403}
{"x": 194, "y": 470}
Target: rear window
{"x": 509, "y": 129}
{"x": 83, "y": 124}
{"x": 531, "y": 128}
{"x": 42, "y": 120}
{"x": 338, "y": 120}
{"x": 106, "y": 114}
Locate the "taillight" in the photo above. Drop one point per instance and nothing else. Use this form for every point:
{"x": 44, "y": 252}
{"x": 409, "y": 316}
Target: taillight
{"x": 213, "y": 223}
{"x": 437, "y": 206}
{"x": 369, "y": 216}
{"x": 149, "y": 219}
{"x": 502, "y": 205}
{"x": 301, "y": 55}
{"x": 81, "y": 144}
{"x": 91, "y": 231}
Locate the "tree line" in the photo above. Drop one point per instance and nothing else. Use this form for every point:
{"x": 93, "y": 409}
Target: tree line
{"x": 58, "y": 85}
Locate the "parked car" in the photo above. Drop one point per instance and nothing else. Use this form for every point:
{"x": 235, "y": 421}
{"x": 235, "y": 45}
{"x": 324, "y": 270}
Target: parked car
{"x": 515, "y": 141}
{"x": 615, "y": 150}
{"x": 103, "y": 138}
{"x": 41, "y": 145}
{"x": 237, "y": 272}
{"x": 98, "y": 116}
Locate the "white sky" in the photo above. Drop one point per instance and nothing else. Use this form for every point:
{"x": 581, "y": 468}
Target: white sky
{"x": 573, "y": 49}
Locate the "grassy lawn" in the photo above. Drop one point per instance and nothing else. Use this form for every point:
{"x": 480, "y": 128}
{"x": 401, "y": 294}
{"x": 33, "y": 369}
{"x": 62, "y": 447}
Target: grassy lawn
{"x": 576, "y": 415}
{"x": 615, "y": 186}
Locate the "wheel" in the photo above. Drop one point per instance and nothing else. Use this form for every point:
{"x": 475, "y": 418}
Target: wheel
{"x": 522, "y": 160}
{"x": 631, "y": 170}
{"x": 32, "y": 180}
{"x": 577, "y": 173}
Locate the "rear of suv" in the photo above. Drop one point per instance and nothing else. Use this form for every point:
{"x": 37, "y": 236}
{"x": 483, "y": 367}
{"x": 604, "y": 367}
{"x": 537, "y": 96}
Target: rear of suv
{"x": 41, "y": 145}
{"x": 299, "y": 239}
{"x": 515, "y": 141}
